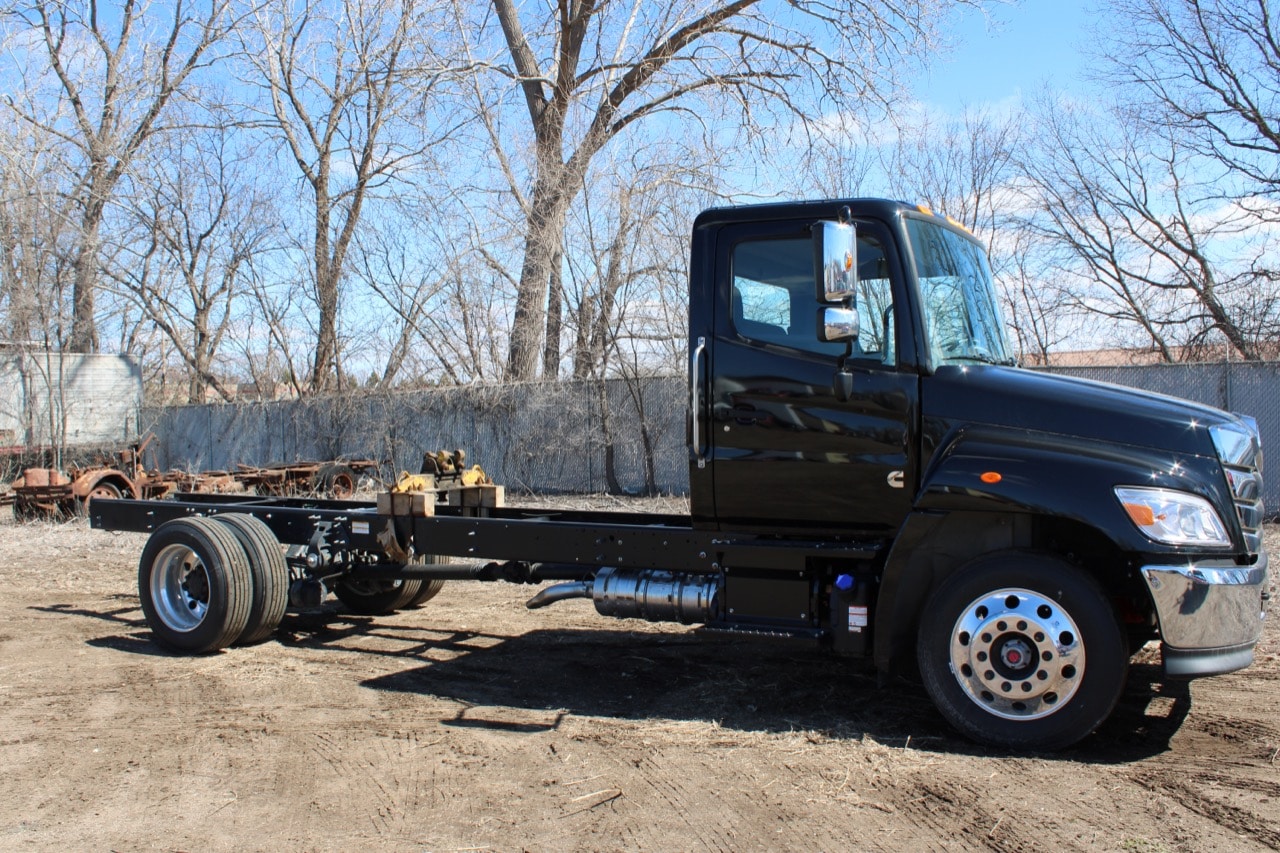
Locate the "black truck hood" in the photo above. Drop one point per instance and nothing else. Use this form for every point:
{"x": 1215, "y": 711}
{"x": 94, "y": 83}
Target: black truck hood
{"x": 957, "y": 396}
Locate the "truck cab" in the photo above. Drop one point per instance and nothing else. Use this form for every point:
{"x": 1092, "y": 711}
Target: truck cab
{"x": 850, "y": 378}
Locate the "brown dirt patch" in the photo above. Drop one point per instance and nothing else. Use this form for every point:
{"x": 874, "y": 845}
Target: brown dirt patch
{"x": 473, "y": 724}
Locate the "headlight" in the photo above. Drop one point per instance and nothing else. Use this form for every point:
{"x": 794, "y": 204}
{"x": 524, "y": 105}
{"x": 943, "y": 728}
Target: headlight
{"x": 1174, "y": 518}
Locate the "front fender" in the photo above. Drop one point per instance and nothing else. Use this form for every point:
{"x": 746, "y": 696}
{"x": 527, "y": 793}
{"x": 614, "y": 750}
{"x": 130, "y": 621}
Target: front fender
{"x": 87, "y": 482}
{"x": 1005, "y": 470}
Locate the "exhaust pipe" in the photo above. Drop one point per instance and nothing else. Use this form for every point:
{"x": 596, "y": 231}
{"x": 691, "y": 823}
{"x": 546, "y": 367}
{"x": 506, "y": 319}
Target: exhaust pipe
{"x": 559, "y": 592}
{"x": 656, "y": 596}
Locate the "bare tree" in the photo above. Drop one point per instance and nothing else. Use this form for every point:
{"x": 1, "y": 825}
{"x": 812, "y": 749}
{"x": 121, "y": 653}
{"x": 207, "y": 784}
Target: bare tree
{"x": 1209, "y": 69}
{"x": 395, "y": 266}
{"x": 197, "y": 229}
{"x": 346, "y": 84}
{"x": 115, "y": 69}
{"x": 589, "y": 71}
{"x": 626, "y": 283}
{"x": 1146, "y": 227}
{"x": 34, "y": 270}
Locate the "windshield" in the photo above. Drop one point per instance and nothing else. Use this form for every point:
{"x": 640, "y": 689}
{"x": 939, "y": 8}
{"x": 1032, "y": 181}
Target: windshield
{"x": 962, "y": 318}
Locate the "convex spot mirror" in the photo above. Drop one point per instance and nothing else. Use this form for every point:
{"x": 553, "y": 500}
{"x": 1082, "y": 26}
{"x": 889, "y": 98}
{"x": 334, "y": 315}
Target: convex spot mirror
{"x": 835, "y": 255}
{"x": 837, "y": 323}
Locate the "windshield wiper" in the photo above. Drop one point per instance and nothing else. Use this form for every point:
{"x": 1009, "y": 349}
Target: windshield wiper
{"x": 982, "y": 358}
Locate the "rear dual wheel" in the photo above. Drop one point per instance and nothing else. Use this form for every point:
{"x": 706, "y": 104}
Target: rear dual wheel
{"x": 206, "y": 583}
{"x": 1023, "y": 651}
{"x": 429, "y": 589}
{"x": 194, "y": 585}
{"x": 377, "y": 596}
{"x": 269, "y": 573}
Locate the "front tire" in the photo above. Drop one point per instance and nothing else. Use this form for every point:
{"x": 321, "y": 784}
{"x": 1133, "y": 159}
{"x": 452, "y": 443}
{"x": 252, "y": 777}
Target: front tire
{"x": 194, "y": 585}
{"x": 1023, "y": 651}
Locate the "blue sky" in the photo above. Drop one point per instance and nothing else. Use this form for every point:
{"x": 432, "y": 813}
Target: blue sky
{"x": 1022, "y": 47}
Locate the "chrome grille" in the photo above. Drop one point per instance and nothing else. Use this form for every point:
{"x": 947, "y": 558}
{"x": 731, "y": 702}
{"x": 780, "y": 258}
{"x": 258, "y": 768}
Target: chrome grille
{"x": 1239, "y": 446}
{"x": 1246, "y": 491}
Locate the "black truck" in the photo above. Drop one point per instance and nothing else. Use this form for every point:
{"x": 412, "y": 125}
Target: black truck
{"x": 868, "y": 470}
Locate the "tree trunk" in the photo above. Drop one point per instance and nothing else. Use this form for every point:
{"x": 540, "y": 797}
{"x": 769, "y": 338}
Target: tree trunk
{"x": 544, "y": 227}
{"x": 84, "y": 326}
{"x": 555, "y": 319}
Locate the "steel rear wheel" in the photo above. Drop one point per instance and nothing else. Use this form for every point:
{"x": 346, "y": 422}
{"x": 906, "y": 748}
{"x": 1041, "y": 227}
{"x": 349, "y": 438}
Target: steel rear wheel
{"x": 194, "y": 585}
{"x": 1022, "y": 650}
{"x": 104, "y": 489}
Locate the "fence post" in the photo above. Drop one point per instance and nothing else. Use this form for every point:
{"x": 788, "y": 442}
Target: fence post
{"x": 1230, "y": 406}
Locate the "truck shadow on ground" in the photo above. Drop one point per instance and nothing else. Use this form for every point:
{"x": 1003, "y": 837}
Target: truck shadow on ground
{"x": 739, "y": 683}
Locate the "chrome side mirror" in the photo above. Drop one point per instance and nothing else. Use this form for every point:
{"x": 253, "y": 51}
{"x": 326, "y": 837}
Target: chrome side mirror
{"x": 835, "y": 253}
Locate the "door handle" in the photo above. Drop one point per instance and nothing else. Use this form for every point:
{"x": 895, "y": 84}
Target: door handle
{"x": 742, "y": 414}
{"x": 695, "y": 400}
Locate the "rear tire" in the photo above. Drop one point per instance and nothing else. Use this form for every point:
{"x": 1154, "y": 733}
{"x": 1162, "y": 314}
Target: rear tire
{"x": 269, "y": 573}
{"x": 1022, "y": 650}
{"x": 430, "y": 588}
{"x": 194, "y": 585}
{"x": 376, "y": 597}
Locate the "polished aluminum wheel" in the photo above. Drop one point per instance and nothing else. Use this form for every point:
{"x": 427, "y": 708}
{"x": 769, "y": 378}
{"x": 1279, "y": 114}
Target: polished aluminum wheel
{"x": 180, "y": 588}
{"x": 1017, "y": 654}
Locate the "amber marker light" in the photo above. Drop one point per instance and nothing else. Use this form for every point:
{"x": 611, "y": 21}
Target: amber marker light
{"x": 1143, "y": 516}
{"x": 991, "y": 477}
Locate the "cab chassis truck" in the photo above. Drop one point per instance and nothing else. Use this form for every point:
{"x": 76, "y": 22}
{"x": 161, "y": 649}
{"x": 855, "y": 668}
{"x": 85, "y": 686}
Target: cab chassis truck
{"x": 868, "y": 469}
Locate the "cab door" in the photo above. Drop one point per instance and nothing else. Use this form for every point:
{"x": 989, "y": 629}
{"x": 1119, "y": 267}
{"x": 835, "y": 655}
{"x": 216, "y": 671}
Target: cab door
{"x": 786, "y": 452}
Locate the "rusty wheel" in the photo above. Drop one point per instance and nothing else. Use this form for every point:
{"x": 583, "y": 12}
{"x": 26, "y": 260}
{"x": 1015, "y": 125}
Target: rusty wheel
{"x": 336, "y": 481}
{"x": 102, "y": 489}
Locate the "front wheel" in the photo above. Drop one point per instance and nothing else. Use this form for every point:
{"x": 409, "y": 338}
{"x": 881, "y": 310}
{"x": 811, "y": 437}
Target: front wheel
{"x": 1023, "y": 651}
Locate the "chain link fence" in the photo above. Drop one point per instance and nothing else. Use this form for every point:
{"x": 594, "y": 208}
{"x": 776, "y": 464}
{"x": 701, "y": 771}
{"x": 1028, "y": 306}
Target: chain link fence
{"x": 1249, "y": 388}
{"x": 623, "y": 436}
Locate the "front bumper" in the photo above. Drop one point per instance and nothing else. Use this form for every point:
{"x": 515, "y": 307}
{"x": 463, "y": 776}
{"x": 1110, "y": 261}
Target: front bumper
{"x": 1210, "y": 614}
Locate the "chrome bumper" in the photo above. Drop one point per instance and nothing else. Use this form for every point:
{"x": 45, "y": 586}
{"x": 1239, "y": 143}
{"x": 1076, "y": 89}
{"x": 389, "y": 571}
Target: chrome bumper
{"x": 1210, "y": 614}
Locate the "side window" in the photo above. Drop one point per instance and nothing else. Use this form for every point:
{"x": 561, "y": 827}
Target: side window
{"x": 875, "y": 304}
{"x": 773, "y": 298}
{"x": 773, "y": 295}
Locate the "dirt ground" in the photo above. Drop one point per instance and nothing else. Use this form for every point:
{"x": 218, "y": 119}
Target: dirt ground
{"x": 473, "y": 724}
